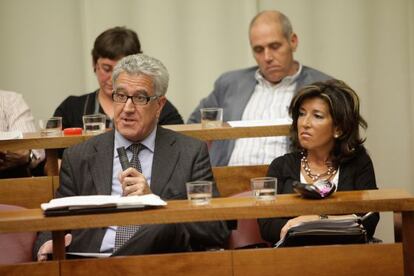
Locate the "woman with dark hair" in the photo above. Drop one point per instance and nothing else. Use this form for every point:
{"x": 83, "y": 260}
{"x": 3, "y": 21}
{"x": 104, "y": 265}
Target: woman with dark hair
{"x": 109, "y": 47}
{"x": 326, "y": 145}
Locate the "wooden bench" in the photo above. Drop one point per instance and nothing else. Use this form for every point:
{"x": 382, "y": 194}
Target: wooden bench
{"x": 52, "y": 144}
{"x": 236, "y": 179}
{"x": 51, "y": 268}
{"x": 375, "y": 259}
{"x": 28, "y": 192}
{"x": 372, "y": 259}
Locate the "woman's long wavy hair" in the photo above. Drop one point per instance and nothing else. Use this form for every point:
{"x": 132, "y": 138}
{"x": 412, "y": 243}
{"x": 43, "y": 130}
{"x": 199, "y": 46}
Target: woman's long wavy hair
{"x": 343, "y": 105}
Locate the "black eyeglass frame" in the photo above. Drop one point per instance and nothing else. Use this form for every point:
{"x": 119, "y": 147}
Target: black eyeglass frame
{"x": 147, "y": 98}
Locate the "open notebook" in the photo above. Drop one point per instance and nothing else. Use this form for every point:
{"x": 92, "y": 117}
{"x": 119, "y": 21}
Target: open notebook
{"x": 98, "y": 204}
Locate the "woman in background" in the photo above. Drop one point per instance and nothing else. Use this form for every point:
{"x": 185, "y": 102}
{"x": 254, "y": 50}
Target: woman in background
{"x": 326, "y": 146}
{"x": 109, "y": 47}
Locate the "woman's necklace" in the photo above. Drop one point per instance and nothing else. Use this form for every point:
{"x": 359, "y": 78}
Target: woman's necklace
{"x": 305, "y": 165}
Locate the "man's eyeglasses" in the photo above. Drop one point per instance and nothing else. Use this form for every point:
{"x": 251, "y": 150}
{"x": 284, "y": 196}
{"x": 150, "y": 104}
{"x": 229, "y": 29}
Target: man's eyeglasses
{"x": 138, "y": 99}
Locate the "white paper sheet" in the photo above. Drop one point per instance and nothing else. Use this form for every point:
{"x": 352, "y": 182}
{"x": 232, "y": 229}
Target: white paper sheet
{"x": 8, "y": 135}
{"x": 89, "y": 255}
{"x": 102, "y": 201}
{"x": 250, "y": 123}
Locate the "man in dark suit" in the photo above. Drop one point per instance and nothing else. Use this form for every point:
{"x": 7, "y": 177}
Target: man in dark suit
{"x": 167, "y": 160}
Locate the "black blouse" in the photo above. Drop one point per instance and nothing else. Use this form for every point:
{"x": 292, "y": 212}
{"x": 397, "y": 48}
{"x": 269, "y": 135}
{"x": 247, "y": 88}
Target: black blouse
{"x": 357, "y": 173}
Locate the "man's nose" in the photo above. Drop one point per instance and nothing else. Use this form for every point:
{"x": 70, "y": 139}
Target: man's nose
{"x": 129, "y": 105}
{"x": 268, "y": 55}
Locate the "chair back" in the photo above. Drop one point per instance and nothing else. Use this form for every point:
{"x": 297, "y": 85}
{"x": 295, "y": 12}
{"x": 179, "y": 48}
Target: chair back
{"x": 16, "y": 247}
{"x": 233, "y": 180}
{"x": 247, "y": 233}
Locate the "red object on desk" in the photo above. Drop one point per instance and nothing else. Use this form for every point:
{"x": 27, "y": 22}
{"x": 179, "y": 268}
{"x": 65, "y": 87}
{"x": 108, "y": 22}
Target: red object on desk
{"x": 72, "y": 131}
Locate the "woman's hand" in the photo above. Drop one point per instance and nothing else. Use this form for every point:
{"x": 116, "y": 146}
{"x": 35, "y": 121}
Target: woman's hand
{"x": 295, "y": 221}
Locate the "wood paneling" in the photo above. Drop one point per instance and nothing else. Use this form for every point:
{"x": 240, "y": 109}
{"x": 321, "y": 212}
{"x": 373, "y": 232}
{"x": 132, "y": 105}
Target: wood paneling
{"x": 408, "y": 241}
{"x": 35, "y": 141}
{"x": 33, "y": 269}
{"x": 231, "y": 180}
{"x": 219, "y": 209}
{"x": 375, "y": 259}
{"x": 28, "y": 192}
{"x": 192, "y": 264}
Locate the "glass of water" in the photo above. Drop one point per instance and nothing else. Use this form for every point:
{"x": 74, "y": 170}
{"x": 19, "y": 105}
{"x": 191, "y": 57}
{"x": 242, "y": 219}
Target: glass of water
{"x": 51, "y": 126}
{"x": 211, "y": 117}
{"x": 264, "y": 188}
{"x": 94, "y": 123}
{"x": 199, "y": 192}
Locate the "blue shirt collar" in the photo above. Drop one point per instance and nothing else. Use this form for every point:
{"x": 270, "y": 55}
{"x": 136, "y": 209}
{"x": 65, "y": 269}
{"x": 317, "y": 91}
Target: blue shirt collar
{"x": 121, "y": 141}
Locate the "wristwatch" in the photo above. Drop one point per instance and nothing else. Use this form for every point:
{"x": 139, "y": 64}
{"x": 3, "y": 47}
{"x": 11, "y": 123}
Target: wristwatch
{"x": 323, "y": 216}
{"x": 32, "y": 158}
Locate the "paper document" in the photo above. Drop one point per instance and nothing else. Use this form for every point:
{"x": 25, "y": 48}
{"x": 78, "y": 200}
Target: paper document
{"x": 9, "y": 135}
{"x": 89, "y": 255}
{"x": 102, "y": 201}
{"x": 250, "y": 123}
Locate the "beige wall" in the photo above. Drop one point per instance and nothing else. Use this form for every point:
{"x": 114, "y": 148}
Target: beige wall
{"x": 45, "y": 55}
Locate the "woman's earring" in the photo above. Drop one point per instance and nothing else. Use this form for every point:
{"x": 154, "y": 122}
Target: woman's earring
{"x": 336, "y": 136}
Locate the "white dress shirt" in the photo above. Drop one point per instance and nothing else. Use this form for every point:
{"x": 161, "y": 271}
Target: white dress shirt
{"x": 268, "y": 102}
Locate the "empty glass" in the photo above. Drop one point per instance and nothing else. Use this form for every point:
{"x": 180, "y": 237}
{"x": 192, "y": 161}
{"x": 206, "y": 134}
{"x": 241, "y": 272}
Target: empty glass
{"x": 51, "y": 126}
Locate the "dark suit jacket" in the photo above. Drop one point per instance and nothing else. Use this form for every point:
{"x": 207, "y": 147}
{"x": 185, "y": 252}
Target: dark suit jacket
{"x": 87, "y": 170}
{"x": 74, "y": 107}
{"x": 357, "y": 173}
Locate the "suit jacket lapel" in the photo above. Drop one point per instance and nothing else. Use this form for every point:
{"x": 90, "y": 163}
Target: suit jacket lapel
{"x": 245, "y": 88}
{"x": 101, "y": 162}
{"x": 165, "y": 159}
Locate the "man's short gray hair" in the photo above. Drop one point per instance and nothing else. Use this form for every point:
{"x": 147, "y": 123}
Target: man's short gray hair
{"x": 278, "y": 17}
{"x": 141, "y": 64}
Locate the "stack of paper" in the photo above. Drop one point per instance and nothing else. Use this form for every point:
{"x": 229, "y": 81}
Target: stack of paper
{"x": 9, "y": 135}
{"x": 253, "y": 123}
{"x": 97, "y": 203}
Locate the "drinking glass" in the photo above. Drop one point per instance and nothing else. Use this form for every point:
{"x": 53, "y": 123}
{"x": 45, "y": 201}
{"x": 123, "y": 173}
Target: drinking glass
{"x": 94, "y": 123}
{"x": 264, "y": 188}
{"x": 51, "y": 126}
{"x": 211, "y": 117}
{"x": 199, "y": 192}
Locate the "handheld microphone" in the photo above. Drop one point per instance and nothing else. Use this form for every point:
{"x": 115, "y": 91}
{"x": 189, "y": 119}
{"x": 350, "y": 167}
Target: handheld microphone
{"x": 123, "y": 158}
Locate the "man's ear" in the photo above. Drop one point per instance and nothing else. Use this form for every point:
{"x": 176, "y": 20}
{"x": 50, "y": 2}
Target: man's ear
{"x": 160, "y": 102}
{"x": 294, "y": 41}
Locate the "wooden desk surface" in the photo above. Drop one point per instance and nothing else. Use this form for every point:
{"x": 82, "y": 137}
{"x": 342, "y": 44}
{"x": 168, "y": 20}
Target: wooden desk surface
{"x": 219, "y": 209}
{"x": 35, "y": 141}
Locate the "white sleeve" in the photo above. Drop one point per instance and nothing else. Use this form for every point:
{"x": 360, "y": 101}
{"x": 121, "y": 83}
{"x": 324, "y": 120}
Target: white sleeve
{"x": 17, "y": 116}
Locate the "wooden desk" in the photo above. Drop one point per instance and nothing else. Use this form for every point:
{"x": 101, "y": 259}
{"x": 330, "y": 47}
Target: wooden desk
{"x": 51, "y": 144}
{"x": 338, "y": 260}
{"x": 34, "y": 140}
{"x": 225, "y": 209}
